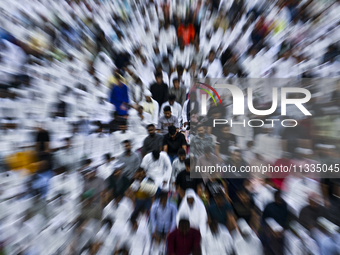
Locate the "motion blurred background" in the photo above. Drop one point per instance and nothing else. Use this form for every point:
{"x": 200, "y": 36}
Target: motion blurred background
{"x": 84, "y": 85}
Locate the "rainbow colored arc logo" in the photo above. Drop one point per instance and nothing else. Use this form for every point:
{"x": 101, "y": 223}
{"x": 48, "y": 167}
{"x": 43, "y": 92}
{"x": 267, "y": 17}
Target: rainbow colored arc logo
{"x": 209, "y": 93}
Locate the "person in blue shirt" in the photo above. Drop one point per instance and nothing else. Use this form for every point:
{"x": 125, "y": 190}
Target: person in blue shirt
{"x": 162, "y": 217}
{"x": 119, "y": 97}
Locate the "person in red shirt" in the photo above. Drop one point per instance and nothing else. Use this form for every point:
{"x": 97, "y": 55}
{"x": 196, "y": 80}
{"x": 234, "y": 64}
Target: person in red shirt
{"x": 187, "y": 32}
{"x": 184, "y": 240}
{"x": 285, "y": 161}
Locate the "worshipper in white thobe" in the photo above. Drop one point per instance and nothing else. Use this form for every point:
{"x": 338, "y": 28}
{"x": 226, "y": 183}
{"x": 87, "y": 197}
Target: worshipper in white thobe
{"x": 168, "y": 37}
{"x": 284, "y": 66}
{"x": 181, "y": 56}
{"x": 213, "y": 65}
{"x": 119, "y": 210}
{"x": 217, "y": 240}
{"x": 106, "y": 169}
{"x": 145, "y": 70}
{"x": 176, "y": 108}
{"x": 157, "y": 166}
{"x": 263, "y": 194}
{"x": 136, "y": 237}
{"x": 268, "y": 145}
{"x": 150, "y": 106}
{"x": 254, "y": 64}
{"x": 138, "y": 121}
{"x": 117, "y": 138}
{"x": 192, "y": 208}
{"x": 298, "y": 187}
{"x": 136, "y": 92}
{"x": 245, "y": 240}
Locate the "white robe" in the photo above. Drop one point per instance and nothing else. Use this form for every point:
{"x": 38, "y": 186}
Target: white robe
{"x": 120, "y": 213}
{"x": 214, "y": 69}
{"x": 159, "y": 170}
{"x": 220, "y": 244}
{"x": 297, "y": 191}
{"x": 245, "y": 247}
{"x": 153, "y": 109}
{"x": 197, "y": 215}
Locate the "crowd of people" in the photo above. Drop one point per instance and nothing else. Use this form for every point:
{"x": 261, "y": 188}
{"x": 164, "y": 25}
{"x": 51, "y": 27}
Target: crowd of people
{"x": 101, "y": 127}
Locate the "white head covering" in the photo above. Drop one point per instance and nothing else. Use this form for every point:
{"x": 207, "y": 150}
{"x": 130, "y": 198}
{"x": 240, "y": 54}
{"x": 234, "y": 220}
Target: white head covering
{"x": 196, "y": 214}
{"x": 147, "y": 93}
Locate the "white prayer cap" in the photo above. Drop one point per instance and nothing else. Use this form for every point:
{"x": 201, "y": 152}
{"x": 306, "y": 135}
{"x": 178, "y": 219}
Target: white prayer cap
{"x": 190, "y": 193}
{"x": 274, "y": 226}
{"x": 329, "y": 226}
{"x": 147, "y": 93}
{"x": 304, "y": 151}
{"x": 243, "y": 226}
{"x": 325, "y": 146}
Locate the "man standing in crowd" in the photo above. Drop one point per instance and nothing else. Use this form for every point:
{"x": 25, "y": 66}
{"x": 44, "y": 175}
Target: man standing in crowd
{"x": 159, "y": 90}
{"x": 184, "y": 181}
{"x": 173, "y": 141}
{"x": 178, "y": 91}
{"x": 153, "y": 141}
{"x": 199, "y": 141}
{"x": 130, "y": 160}
{"x": 120, "y": 98}
{"x": 184, "y": 240}
{"x": 162, "y": 217}
{"x": 178, "y": 165}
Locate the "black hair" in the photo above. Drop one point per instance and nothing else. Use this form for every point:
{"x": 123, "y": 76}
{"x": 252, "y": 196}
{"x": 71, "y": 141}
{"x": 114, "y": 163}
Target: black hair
{"x": 187, "y": 162}
{"x": 158, "y": 75}
{"x": 175, "y": 80}
{"x": 126, "y": 141}
{"x": 107, "y": 156}
{"x": 163, "y": 194}
{"x": 180, "y": 69}
{"x": 171, "y": 97}
{"x": 107, "y": 221}
{"x": 150, "y": 125}
{"x": 155, "y": 154}
{"x": 122, "y": 122}
{"x": 277, "y": 194}
{"x": 184, "y": 222}
{"x": 207, "y": 149}
{"x": 167, "y": 109}
{"x": 181, "y": 151}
